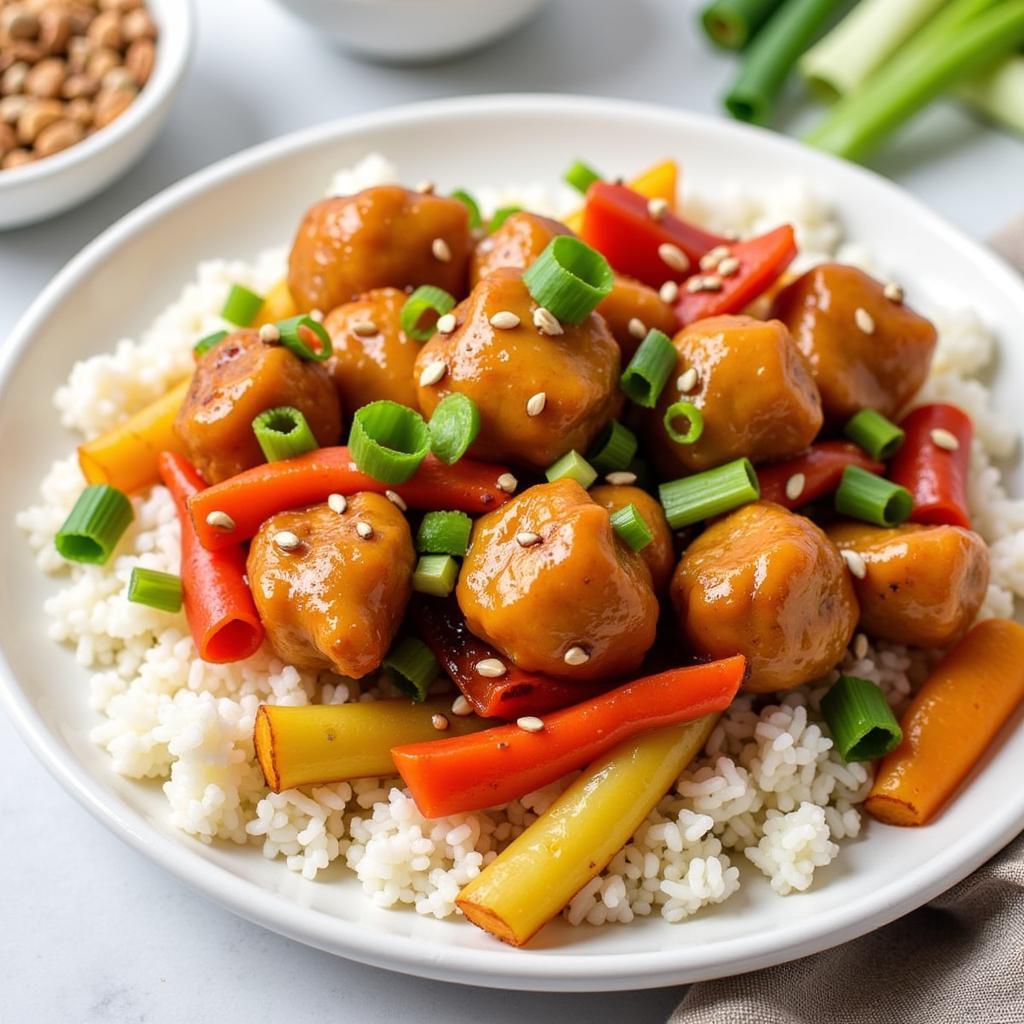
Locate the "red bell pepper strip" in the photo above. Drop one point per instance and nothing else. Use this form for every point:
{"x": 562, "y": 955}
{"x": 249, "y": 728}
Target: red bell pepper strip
{"x": 466, "y": 773}
{"x": 256, "y": 494}
{"x": 822, "y": 468}
{"x": 441, "y": 626}
{"x": 762, "y": 260}
{"x": 221, "y": 615}
{"x": 935, "y": 476}
{"x": 617, "y": 223}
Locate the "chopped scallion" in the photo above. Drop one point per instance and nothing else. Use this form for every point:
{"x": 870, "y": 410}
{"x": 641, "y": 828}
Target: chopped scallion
{"x": 453, "y": 427}
{"x": 444, "y": 533}
{"x": 435, "y": 575}
{"x": 878, "y": 436}
{"x": 862, "y": 723}
{"x": 694, "y": 422}
{"x": 283, "y": 433}
{"x": 702, "y": 495}
{"x": 388, "y": 441}
{"x": 501, "y": 215}
{"x": 95, "y": 525}
{"x": 426, "y": 299}
{"x": 614, "y": 449}
{"x": 156, "y": 589}
{"x": 295, "y": 332}
{"x": 413, "y": 667}
{"x": 203, "y": 345}
{"x": 649, "y": 369}
{"x": 241, "y": 306}
{"x": 632, "y": 527}
{"x": 569, "y": 279}
{"x": 866, "y": 496}
{"x": 581, "y": 176}
{"x": 475, "y": 219}
{"x": 574, "y": 467}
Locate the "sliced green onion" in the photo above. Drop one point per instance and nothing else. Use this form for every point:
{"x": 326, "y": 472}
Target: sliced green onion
{"x": 649, "y": 369}
{"x": 388, "y": 441}
{"x": 694, "y": 422}
{"x": 581, "y": 176}
{"x": 708, "y": 494}
{"x": 157, "y": 589}
{"x": 569, "y": 278}
{"x": 292, "y": 331}
{"x": 425, "y": 299}
{"x": 632, "y": 527}
{"x": 203, "y": 345}
{"x": 733, "y": 23}
{"x": 435, "y": 575}
{"x": 95, "y": 525}
{"x": 574, "y": 467}
{"x": 878, "y": 436}
{"x": 866, "y": 496}
{"x": 283, "y": 433}
{"x": 475, "y": 219}
{"x": 772, "y": 55}
{"x": 998, "y": 94}
{"x": 453, "y": 427}
{"x": 241, "y": 306}
{"x": 501, "y": 215}
{"x": 860, "y": 719}
{"x": 444, "y": 533}
{"x": 413, "y": 667}
{"x": 614, "y": 449}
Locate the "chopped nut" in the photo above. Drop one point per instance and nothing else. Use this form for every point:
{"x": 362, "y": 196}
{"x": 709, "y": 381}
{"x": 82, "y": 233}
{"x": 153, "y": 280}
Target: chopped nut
{"x": 57, "y": 136}
{"x": 101, "y": 61}
{"x": 105, "y": 30}
{"x": 46, "y": 79}
{"x": 35, "y": 117}
{"x": 81, "y": 110}
{"x": 80, "y": 85}
{"x": 111, "y": 104}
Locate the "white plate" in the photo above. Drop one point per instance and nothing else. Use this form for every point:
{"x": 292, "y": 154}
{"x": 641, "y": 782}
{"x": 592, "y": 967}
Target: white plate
{"x": 253, "y": 201}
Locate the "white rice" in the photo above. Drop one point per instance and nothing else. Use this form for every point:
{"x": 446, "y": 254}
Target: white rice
{"x": 770, "y": 790}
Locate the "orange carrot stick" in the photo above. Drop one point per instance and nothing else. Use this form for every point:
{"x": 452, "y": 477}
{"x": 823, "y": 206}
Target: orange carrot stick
{"x": 465, "y": 773}
{"x": 950, "y": 723}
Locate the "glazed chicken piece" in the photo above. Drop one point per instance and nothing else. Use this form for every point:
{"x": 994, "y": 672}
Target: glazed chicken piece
{"x": 380, "y": 237}
{"x": 373, "y": 357}
{"x": 232, "y": 384}
{"x": 923, "y": 585}
{"x": 768, "y": 584}
{"x": 753, "y": 389}
{"x": 336, "y": 599}
{"x": 548, "y": 583}
{"x": 660, "y": 553}
{"x": 865, "y": 347}
{"x": 502, "y": 368}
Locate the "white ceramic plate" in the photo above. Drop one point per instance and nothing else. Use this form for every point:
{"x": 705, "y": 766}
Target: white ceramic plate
{"x": 253, "y": 201}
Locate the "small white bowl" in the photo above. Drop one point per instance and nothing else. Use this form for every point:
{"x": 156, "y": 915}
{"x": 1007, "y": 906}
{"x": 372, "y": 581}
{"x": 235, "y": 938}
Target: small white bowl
{"x": 413, "y": 30}
{"x": 38, "y": 190}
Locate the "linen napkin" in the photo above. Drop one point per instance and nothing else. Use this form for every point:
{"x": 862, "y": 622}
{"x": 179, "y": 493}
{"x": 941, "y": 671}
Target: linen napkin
{"x": 958, "y": 960}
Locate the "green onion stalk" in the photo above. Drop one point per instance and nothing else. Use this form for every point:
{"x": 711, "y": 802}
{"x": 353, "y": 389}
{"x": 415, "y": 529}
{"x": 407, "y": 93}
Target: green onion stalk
{"x": 731, "y": 24}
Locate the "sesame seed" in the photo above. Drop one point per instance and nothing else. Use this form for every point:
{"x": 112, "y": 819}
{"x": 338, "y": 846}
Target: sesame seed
{"x": 492, "y": 668}
{"x": 864, "y": 320}
{"x": 732, "y": 234}
{"x": 396, "y": 499}
{"x": 893, "y": 292}
{"x": 337, "y": 503}
{"x": 621, "y": 478}
{"x": 441, "y": 249}
{"x": 674, "y": 257}
{"x": 286, "y": 540}
{"x": 530, "y": 723}
{"x": 353, "y": 467}
{"x": 316, "y": 315}
{"x": 695, "y": 284}
{"x": 729, "y": 266}
{"x": 860, "y": 646}
{"x": 364, "y": 529}
{"x": 669, "y": 292}
{"x": 944, "y": 439}
{"x": 446, "y": 324}
{"x": 439, "y": 722}
{"x": 687, "y": 380}
{"x": 657, "y": 208}
{"x": 795, "y": 486}
{"x": 711, "y": 259}
{"x": 637, "y": 328}
{"x": 433, "y": 372}
{"x": 711, "y": 283}
{"x": 535, "y": 404}
{"x": 855, "y": 563}
{"x": 461, "y": 707}
{"x": 269, "y": 334}
{"x": 504, "y": 320}
{"x": 365, "y": 328}
{"x": 507, "y": 483}
{"x": 576, "y": 655}
{"x": 527, "y": 538}
{"x": 546, "y": 322}
{"x": 220, "y": 520}
{"x": 425, "y": 188}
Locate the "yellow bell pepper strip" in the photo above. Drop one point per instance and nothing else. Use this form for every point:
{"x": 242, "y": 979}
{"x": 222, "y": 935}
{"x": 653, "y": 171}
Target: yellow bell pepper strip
{"x": 126, "y": 457}
{"x": 278, "y": 304}
{"x": 658, "y": 182}
{"x": 575, "y": 838}
{"x": 319, "y": 743}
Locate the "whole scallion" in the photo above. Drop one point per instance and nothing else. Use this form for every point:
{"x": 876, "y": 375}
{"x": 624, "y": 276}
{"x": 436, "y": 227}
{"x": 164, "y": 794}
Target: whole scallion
{"x": 733, "y": 23}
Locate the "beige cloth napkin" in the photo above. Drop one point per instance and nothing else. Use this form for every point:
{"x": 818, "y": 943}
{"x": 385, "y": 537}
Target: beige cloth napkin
{"x": 958, "y": 960}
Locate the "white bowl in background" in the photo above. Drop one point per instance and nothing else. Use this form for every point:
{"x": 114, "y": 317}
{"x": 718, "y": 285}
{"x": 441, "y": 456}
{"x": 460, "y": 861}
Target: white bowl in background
{"x": 39, "y": 190}
{"x": 413, "y": 30}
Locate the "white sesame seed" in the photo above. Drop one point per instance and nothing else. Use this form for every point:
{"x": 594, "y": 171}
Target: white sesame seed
{"x": 507, "y": 483}
{"x": 535, "y": 403}
{"x": 944, "y": 439}
{"x": 530, "y": 723}
{"x": 795, "y": 486}
{"x": 269, "y": 334}
{"x": 674, "y": 257}
{"x": 546, "y": 322}
{"x": 576, "y": 655}
{"x": 446, "y": 324}
{"x": 286, "y": 540}
{"x": 711, "y": 259}
{"x": 621, "y": 478}
{"x": 855, "y": 563}
{"x": 492, "y": 668}
{"x": 864, "y": 320}
{"x": 461, "y": 707}
{"x": 364, "y": 529}
{"x": 669, "y": 292}
{"x": 364, "y": 328}
{"x": 657, "y": 208}
{"x": 425, "y": 188}
{"x": 504, "y": 320}
{"x": 220, "y": 520}
{"x": 711, "y": 283}
{"x": 441, "y": 249}
{"x": 637, "y": 328}
{"x": 860, "y": 646}
{"x": 729, "y": 266}
{"x": 396, "y": 499}
{"x": 527, "y": 538}
{"x": 695, "y": 284}
{"x": 687, "y": 380}
{"x": 433, "y": 372}
{"x": 439, "y": 722}
{"x": 337, "y": 503}
{"x": 353, "y": 467}
{"x": 893, "y": 292}
{"x": 316, "y": 315}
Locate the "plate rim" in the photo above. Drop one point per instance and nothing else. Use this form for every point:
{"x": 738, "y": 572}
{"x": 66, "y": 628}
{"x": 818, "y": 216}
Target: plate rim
{"x": 499, "y": 966}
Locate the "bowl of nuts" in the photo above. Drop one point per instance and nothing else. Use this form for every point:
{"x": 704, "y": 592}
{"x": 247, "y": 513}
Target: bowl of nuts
{"x": 84, "y": 87}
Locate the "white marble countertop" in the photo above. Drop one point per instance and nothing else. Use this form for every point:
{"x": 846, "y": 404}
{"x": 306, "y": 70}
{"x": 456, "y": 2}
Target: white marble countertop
{"x": 89, "y": 931}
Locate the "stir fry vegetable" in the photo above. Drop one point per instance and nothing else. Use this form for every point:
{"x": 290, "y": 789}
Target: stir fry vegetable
{"x": 812, "y": 475}
{"x": 659, "y": 183}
